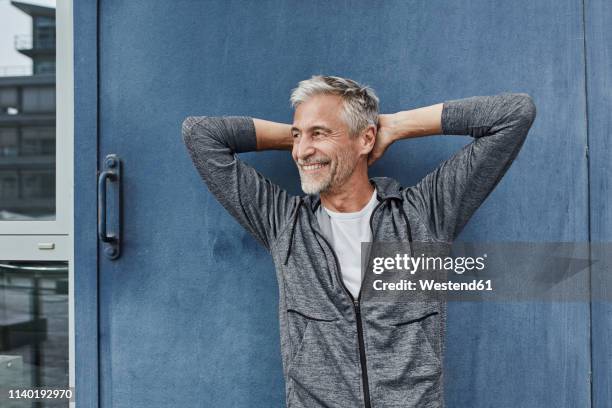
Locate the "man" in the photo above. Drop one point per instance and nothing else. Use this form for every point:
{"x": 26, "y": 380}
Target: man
{"x": 339, "y": 347}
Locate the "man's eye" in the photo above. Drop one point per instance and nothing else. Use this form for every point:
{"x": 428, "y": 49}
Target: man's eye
{"x": 295, "y": 135}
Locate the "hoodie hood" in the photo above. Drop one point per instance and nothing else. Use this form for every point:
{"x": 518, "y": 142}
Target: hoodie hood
{"x": 386, "y": 188}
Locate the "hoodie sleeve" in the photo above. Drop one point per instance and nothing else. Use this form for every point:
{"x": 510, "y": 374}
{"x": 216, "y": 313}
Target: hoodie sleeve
{"x": 448, "y": 196}
{"x": 259, "y": 205}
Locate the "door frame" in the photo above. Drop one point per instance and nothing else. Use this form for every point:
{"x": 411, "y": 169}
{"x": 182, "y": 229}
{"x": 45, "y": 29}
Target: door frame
{"x": 85, "y": 14}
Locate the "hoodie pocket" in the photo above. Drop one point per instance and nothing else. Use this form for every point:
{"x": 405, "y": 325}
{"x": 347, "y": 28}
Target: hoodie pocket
{"x": 310, "y": 374}
{"x": 300, "y": 324}
{"x": 413, "y": 330}
{"x": 406, "y": 366}
{"x": 423, "y": 343}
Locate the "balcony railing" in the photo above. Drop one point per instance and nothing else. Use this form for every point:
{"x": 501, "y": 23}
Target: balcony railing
{"x": 15, "y": 70}
{"x": 26, "y": 42}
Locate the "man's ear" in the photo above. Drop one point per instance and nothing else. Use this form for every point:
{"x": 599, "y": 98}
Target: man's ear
{"x": 368, "y": 139}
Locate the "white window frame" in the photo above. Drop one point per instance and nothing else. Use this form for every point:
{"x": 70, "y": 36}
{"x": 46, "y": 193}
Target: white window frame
{"x": 64, "y": 138}
{"x": 21, "y": 240}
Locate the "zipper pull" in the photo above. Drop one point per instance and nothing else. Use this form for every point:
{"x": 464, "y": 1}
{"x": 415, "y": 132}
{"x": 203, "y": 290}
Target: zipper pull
{"x": 356, "y": 304}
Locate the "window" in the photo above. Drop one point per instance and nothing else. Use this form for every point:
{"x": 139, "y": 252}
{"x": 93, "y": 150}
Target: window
{"x": 44, "y": 33}
{"x": 38, "y": 99}
{"x": 36, "y": 213}
{"x": 9, "y": 182}
{"x": 8, "y": 142}
{"x": 38, "y": 141}
{"x": 34, "y": 322}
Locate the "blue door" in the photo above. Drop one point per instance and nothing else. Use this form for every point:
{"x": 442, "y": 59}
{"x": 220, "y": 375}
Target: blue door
{"x": 187, "y": 314}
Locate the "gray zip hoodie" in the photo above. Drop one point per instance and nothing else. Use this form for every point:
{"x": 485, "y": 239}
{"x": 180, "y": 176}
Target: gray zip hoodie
{"x": 338, "y": 351}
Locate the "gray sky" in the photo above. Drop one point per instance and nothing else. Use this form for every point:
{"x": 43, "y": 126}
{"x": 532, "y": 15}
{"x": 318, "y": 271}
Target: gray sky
{"x": 13, "y": 22}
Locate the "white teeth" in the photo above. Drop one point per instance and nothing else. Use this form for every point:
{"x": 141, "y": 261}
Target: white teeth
{"x": 314, "y": 166}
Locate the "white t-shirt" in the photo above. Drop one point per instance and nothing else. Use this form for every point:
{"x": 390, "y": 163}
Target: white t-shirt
{"x": 348, "y": 231}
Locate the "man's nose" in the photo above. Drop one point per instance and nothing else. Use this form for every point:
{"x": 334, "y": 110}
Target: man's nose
{"x": 305, "y": 147}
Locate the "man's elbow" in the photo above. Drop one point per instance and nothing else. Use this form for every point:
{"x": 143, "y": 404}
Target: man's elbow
{"x": 187, "y": 128}
{"x": 527, "y": 110}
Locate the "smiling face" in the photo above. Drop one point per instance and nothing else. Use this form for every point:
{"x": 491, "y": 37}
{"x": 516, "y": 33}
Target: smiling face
{"x": 323, "y": 149}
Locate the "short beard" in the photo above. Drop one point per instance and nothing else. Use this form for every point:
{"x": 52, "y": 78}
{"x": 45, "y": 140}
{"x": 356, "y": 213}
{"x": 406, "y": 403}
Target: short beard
{"x": 340, "y": 171}
{"x": 310, "y": 186}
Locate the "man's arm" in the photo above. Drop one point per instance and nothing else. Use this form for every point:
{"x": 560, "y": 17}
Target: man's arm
{"x": 419, "y": 122}
{"x": 273, "y": 135}
{"x": 449, "y": 195}
{"x": 257, "y": 204}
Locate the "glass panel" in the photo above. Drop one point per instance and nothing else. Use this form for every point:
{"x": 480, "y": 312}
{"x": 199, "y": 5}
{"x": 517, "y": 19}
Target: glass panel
{"x": 8, "y": 142}
{"x": 27, "y": 114}
{"x": 34, "y": 328}
{"x": 9, "y": 181}
{"x": 44, "y": 32}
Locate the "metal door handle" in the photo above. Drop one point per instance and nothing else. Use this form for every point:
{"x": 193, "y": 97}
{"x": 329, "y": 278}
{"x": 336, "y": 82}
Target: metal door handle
{"x": 102, "y": 206}
{"x": 112, "y": 172}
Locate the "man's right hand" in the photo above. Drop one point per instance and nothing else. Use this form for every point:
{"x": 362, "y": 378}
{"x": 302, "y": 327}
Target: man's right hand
{"x": 385, "y": 136}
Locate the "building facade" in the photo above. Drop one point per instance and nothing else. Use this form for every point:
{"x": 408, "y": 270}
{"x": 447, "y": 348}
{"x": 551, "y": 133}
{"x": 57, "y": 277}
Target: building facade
{"x": 27, "y": 123}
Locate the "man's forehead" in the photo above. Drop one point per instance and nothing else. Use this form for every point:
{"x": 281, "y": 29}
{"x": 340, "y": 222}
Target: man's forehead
{"x": 322, "y": 110}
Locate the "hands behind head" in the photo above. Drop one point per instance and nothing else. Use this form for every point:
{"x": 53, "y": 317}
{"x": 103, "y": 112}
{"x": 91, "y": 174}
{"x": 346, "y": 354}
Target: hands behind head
{"x": 384, "y": 137}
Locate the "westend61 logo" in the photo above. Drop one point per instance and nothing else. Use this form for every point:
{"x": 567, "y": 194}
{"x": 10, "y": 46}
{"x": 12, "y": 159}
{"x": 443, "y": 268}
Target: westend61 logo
{"x": 405, "y": 262}
{"x": 437, "y": 266}
{"x": 486, "y": 271}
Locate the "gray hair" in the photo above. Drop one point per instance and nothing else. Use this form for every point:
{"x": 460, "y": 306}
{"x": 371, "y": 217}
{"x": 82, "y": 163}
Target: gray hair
{"x": 360, "y": 101}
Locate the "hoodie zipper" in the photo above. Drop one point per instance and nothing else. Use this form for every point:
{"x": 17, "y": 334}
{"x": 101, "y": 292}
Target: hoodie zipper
{"x": 362, "y": 355}
{"x": 357, "y": 310}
